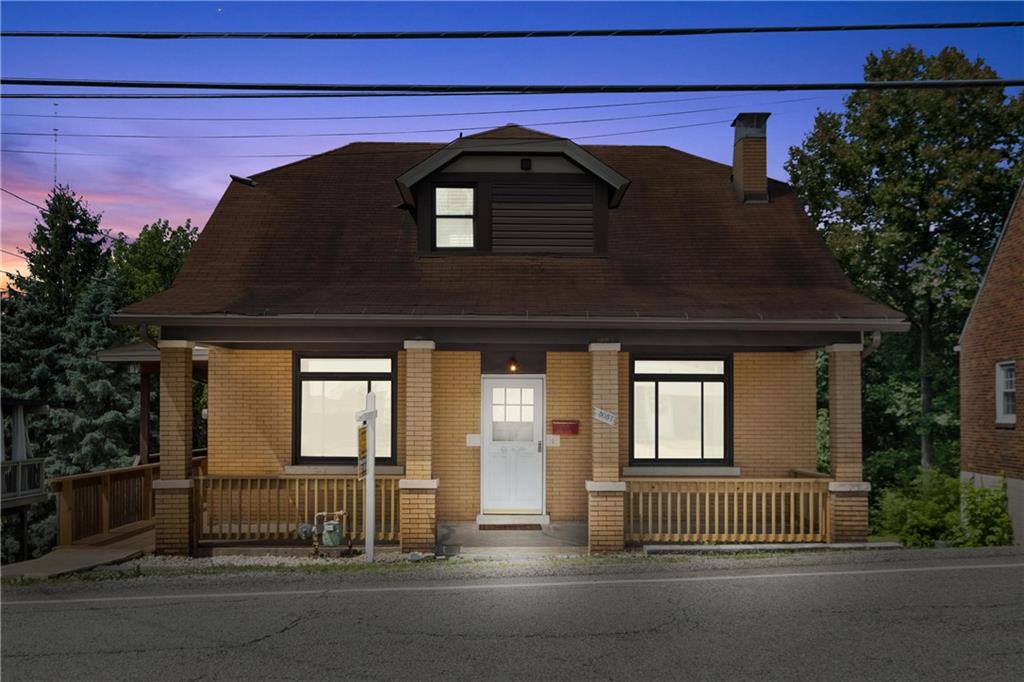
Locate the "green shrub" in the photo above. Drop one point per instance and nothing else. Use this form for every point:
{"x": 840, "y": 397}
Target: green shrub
{"x": 986, "y": 519}
{"x": 926, "y": 511}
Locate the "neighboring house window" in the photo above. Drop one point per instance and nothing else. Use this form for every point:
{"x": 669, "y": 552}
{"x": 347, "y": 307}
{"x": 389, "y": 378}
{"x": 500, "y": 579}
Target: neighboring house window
{"x": 681, "y": 412}
{"x": 329, "y": 391}
{"x": 1006, "y": 393}
{"x": 453, "y": 217}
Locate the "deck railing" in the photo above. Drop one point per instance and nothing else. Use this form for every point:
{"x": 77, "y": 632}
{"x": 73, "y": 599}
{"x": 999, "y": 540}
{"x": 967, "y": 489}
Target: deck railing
{"x": 715, "y": 510}
{"x": 98, "y": 502}
{"x": 92, "y": 505}
{"x": 22, "y": 479}
{"x": 246, "y": 508}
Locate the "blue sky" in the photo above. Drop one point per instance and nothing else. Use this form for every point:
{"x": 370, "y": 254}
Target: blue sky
{"x": 139, "y": 181}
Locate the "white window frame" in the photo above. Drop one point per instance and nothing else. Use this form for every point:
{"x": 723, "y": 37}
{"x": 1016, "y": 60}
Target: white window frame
{"x": 1002, "y": 416}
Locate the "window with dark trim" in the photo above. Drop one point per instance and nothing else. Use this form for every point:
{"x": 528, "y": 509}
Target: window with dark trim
{"x": 329, "y": 391}
{"x": 454, "y": 217}
{"x": 1006, "y": 393}
{"x": 681, "y": 411}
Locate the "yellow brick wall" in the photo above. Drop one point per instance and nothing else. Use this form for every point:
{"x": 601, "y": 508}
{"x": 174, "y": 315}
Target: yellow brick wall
{"x": 456, "y": 412}
{"x": 774, "y": 413}
{"x": 250, "y": 411}
{"x": 844, "y": 404}
{"x": 605, "y": 530}
{"x": 604, "y": 386}
{"x": 249, "y": 427}
{"x": 419, "y": 520}
{"x": 849, "y": 517}
{"x": 624, "y": 389}
{"x": 568, "y": 465}
{"x": 174, "y": 528}
{"x": 176, "y": 411}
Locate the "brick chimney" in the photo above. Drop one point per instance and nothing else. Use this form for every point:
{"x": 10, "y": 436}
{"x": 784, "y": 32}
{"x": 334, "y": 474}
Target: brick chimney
{"x": 750, "y": 157}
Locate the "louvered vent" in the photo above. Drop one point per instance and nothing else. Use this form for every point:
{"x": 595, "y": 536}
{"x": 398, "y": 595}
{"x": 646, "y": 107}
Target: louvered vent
{"x": 542, "y": 218}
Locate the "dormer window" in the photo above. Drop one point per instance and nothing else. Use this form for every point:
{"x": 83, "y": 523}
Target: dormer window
{"x": 528, "y": 193}
{"x": 453, "y": 217}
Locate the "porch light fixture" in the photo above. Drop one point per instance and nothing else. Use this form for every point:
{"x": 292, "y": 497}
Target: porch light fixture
{"x": 513, "y": 366}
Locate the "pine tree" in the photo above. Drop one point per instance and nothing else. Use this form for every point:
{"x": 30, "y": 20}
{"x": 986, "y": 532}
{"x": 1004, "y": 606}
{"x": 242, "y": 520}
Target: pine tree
{"x": 95, "y": 420}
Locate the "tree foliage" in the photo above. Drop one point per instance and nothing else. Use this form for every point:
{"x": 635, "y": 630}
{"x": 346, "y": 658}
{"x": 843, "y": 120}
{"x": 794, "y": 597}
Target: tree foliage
{"x": 55, "y": 319}
{"x": 909, "y": 189}
{"x": 147, "y": 264}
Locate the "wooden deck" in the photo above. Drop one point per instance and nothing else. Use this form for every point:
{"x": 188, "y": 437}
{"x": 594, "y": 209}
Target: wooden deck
{"x": 73, "y": 558}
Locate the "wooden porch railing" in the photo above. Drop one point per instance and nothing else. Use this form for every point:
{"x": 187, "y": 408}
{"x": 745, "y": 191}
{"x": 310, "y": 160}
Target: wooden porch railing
{"x": 22, "y": 479}
{"x": 96, "y": 503}
{"x": 93, "y": 505}
{"x": 715, "y": 510}
{"x": 243, "y": 508}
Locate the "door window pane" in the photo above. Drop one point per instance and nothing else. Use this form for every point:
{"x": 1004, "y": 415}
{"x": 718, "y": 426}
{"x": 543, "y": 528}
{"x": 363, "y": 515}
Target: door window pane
{"x": 643, "y": 420}
{"x": 679, "y": 422}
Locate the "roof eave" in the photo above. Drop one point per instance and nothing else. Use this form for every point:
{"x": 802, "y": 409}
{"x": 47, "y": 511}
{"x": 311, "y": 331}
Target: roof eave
{"x": 520, "y": 321}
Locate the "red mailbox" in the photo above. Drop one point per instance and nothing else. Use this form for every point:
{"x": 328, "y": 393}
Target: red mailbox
{"x": 565, "y": 427}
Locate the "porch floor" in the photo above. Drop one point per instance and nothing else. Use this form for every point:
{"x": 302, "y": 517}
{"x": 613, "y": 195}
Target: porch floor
{"x": 466, "y": 539}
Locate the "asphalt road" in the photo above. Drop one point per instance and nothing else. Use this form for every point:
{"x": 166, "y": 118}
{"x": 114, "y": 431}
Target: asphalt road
{"x": 902, "y": 616}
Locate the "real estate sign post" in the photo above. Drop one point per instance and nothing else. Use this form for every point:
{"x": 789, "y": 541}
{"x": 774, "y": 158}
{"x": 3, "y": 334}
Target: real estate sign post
{"x": 367, "y": 420}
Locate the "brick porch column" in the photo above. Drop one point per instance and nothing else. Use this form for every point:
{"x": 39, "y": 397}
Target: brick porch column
{"x": 848, "y": 492}
{"x": 605, "y": 493}
{"x": 174, "y": 509}
{"x": 418, "y": 489}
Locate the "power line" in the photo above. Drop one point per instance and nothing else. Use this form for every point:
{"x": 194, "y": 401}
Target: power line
{"x": 12, "y": 253}
{"x": 256, "y": 136}
{"x": 442, "y": 114}
{"x": 405, "y": 147}
{"x": 21, "y": 198}
{"x": 463, "y": 35}
{"x": 507, "y": 89}
{"x": 262, "y": 95}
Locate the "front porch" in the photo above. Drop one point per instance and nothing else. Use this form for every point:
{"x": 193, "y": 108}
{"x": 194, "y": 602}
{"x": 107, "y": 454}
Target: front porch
{"x": 255, "y": 489}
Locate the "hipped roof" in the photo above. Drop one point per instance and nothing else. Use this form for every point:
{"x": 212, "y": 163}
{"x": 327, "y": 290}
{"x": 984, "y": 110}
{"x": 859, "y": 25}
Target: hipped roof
{"x": 326, "y": 237}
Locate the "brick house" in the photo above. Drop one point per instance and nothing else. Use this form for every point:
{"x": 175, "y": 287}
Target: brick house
{"x": 623, "y": 336}
{"x": 991, "y": 353}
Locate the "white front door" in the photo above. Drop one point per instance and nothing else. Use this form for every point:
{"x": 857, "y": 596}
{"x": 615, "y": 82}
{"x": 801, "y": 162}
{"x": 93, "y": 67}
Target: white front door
{"x": 512, "y": 445}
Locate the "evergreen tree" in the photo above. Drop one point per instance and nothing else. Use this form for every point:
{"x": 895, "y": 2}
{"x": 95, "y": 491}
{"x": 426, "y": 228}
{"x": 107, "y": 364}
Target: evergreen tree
{"x": 94, "y": 424}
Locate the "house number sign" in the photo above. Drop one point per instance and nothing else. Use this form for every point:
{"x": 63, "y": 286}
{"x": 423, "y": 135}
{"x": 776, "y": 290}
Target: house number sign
{"x": 605, "y": 417}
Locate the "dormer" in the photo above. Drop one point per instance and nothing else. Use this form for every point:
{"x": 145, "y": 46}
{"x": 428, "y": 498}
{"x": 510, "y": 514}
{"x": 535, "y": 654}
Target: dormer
{"x": 512, "y": 190}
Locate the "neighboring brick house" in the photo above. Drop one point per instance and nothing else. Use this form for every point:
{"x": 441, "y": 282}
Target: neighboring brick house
{"x": 618, "y": 335}
{"x": 991, "y": 357}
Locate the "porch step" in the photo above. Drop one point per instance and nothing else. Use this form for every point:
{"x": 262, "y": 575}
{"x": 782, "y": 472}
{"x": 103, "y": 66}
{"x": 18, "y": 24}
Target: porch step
{"x": 512, "y": 520}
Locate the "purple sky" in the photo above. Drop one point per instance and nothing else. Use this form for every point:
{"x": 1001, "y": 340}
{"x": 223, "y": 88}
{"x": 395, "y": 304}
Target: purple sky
{"x": 135, "y": 181}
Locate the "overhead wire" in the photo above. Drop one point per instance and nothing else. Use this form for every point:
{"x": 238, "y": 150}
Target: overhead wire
{"x": 254, "y": 136}
{"x": 507, "y": 34}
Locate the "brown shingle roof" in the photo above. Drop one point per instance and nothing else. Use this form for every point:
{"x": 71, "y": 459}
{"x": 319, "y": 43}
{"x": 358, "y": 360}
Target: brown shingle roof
{"x": 325, "y": 236}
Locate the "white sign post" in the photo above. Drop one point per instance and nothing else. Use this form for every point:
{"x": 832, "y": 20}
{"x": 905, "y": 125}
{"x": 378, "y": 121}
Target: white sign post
{"x": 367, "y": 420}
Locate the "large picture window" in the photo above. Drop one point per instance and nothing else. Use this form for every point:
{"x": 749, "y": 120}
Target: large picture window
{"x": 681, "y": 412}
{"x": 329, "y": 391}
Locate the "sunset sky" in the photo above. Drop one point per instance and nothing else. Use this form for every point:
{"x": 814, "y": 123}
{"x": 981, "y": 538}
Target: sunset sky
{"x": 134, "y": 181}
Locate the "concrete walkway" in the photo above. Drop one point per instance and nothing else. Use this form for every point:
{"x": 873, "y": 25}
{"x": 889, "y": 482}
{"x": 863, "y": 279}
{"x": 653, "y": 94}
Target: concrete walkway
{"x": 64, "y": 560}
{"x": 467, "y": 539}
